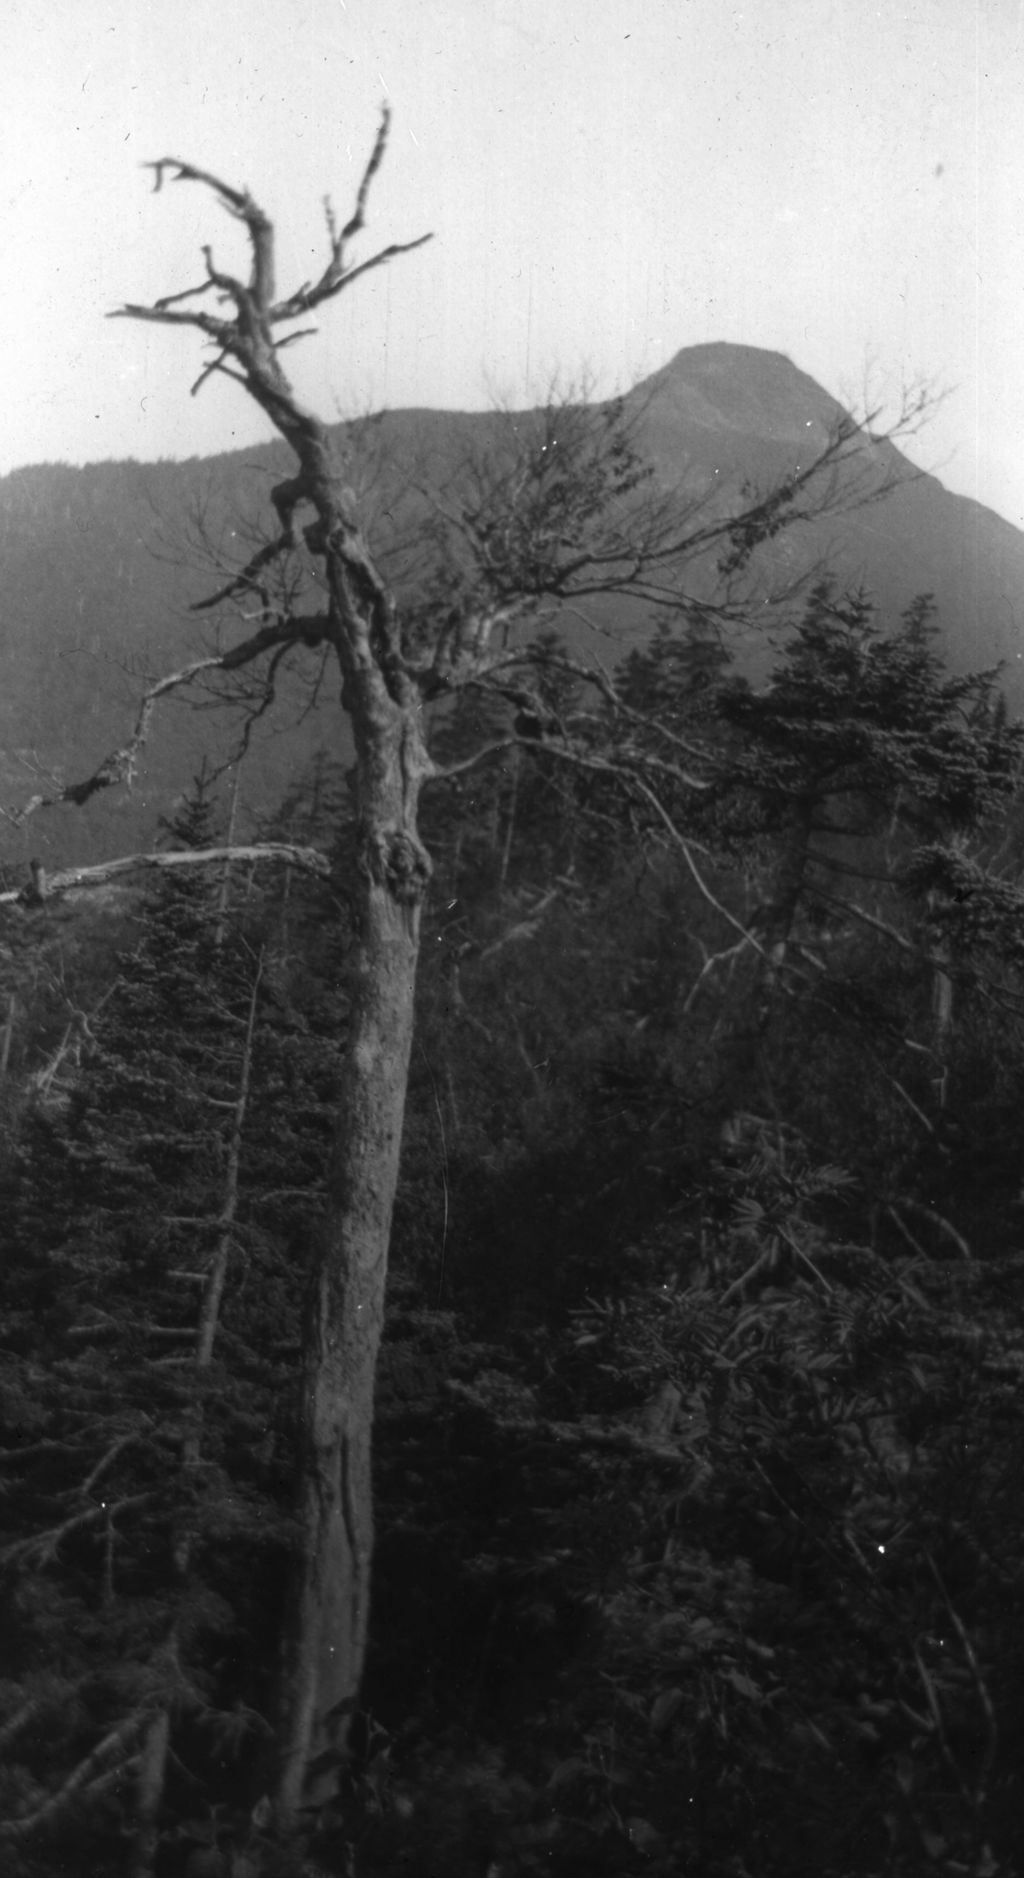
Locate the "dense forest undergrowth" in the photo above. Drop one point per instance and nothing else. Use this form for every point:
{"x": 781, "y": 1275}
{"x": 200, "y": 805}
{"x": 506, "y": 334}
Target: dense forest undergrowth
{"x": 700, "y": 1515}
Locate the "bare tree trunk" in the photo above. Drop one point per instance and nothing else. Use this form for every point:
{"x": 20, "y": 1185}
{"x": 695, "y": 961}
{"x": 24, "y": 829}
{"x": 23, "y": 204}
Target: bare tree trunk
{"x": 779, "y": 917}
{"x": 224, "y": 895}
{"x": 942, "y": 998}
{"x": 329, "y": 1609}
{"x": 216, "y": 1277}
{"x": 8, "y": 1035}
{"x": 742, "y": 1059}
{"x": 942, "y": 1018}
{"x": 510, "y": 825}
{"x": 149, "y": 1794}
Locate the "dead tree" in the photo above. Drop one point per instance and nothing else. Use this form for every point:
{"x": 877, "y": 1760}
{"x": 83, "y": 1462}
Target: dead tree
{"x": 329, "y": 1607}
{"x": 568, "y": 518}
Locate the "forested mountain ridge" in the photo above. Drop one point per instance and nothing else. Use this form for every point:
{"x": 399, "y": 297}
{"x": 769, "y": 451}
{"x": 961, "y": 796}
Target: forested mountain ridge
{"x": 101, "y": 566}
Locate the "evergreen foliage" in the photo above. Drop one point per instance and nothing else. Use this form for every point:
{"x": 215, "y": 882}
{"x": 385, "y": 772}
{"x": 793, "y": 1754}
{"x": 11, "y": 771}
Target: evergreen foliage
{"x": 699, "y": 1405}
{"x": 158, "y": 1216}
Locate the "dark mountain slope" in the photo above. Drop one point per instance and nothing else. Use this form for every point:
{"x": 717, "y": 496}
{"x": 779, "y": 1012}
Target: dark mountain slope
{"x": 732, "y": 412}
{"x": 99, "y": 572}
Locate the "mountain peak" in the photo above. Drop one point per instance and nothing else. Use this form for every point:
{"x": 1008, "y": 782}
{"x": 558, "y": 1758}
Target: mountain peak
{"x": 722, "y": 386}
{"x": 715, "y": 353}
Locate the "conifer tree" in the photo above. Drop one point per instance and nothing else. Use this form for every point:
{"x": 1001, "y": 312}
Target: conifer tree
{"x": 860, "y": 744}
{"x": 157, "y": 1214}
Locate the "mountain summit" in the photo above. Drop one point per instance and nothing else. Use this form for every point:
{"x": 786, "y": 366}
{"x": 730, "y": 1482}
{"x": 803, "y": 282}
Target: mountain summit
{"x": 722, "y": 412}
{"x": 723, "y": 387}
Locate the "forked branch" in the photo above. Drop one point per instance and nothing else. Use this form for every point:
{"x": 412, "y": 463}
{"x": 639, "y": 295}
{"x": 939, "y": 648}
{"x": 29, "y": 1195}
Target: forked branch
{"x": 257, "y": 309}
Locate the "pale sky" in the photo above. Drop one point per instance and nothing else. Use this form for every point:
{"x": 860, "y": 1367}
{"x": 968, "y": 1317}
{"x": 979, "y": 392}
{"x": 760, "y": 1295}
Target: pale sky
{"x": 607, "y": 182}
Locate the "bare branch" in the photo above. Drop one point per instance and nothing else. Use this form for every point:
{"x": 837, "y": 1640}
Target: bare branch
{"x": 108, "y": 1755}
{"x": 216, "y": 329}
{"x": 314, "y": 296}
{"x": 981, "y": 1689}
{"x": 337, "y": 274}
{"x": 76, "y": 879}
{"x": 602, "y": 682}
{"x": 120, "y": 766}
{"x": 913, "y": 948}
{"x": 686, "y": 850}
{"x": 357, "y": 219}
{"x": 629, "y": 774}
{"x": 233, "y": 199}
{"x": 939, "y": 1220}
{"x": 107, "y": 1460}
{"x": 527, "y": 928}
{"x": 173, "y": 299}
{"x": 479, "y": 756}
{"x": 290, "y": 339}
{"x": 42, "y": 1547}
{"x": 20, "y": 1720}
{"x": 711, "y": 959}
{"x": 245, "y": 579}
{"x": 215, "y": 365}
